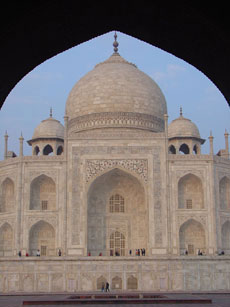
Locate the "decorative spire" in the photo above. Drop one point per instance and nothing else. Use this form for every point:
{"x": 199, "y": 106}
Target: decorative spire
{"x": 211, "y": 143}
{"x": 115, "y": 43}
{"x": 21, "y": 136}
{"x": 51, "y": 112}
{"x": 21, "y": 139}
{"x": 6, "y": 145}
{"x": 181, "y": 113}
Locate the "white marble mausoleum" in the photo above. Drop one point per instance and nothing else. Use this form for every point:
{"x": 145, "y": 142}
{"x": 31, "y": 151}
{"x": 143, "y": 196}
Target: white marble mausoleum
{"x": 114, "y": 179}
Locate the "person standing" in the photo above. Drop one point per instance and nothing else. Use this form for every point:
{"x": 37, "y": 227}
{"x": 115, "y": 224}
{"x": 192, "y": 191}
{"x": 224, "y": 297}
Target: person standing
{"x": 107, "y": 287}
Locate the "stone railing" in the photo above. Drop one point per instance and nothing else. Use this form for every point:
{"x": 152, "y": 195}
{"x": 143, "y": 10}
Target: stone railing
{"x": 11, "y": 161}
{"x": 178, "y": 157}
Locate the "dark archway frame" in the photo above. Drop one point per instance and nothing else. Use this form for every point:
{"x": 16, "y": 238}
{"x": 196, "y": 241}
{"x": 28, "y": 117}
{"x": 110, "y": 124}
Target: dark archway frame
{"x": 32, "y": 32}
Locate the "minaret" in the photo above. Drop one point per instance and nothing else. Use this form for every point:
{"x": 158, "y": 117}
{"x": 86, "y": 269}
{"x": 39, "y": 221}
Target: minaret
{"x": 226, "y": 145}
{"x": 6, "y": 145}
{"x": 211, "y": 143}
{"x": 21, "y": 139}
{"x": 166, "y": 124}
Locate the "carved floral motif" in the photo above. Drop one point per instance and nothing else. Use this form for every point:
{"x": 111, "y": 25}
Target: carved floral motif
{"x": 184, "y": 218}
{"x": 95, "y": 167}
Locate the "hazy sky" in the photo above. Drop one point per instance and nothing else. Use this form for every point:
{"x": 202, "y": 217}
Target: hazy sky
{"x": 49, "y": 84}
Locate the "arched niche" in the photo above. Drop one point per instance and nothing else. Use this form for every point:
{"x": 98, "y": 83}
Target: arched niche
{"x": 190, "y": 192}
{"x": 6, "y": 240}
{"x": 7, "y": 197}
{"x": 192, "y": 237}
{"x": 184, "y": 149}
{"x": 59, "y": 150}
{"x": 101, "y": 222}
{"x": 195, "y": 150}
{"x": 172, "y": 150}
{"x": 48, "y": 150}
{"x": 101, "y": 281}
{"x": 36, "y": 151}
{"x": 225, "y": 237}
{"x": 132, "y": 283}
{"x": 42, "y": 238}
{"x": 43, "y": 193}
{"x": 224, "y": 193}
{"x": 116, "y": 283}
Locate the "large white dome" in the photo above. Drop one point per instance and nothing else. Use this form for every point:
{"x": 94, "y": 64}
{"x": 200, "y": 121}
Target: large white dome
{"x": 116, "y": 93}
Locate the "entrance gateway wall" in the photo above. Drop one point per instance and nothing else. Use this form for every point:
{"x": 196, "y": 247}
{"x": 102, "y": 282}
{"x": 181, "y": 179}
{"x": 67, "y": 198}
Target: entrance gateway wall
{"x": 145, "y": 274}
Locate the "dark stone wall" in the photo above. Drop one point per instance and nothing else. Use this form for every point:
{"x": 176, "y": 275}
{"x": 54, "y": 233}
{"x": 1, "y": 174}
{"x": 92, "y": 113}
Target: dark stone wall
{"x": 33, "y": 31}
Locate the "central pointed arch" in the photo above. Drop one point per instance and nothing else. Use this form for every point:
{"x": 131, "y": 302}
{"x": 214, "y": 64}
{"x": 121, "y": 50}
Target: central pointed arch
{"x": 116, "y": 203}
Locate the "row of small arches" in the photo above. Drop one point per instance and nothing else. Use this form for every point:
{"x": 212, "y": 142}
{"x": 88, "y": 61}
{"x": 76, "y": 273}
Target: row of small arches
{"x": 116, "y": 283}
{"x": 183, "y": 149}
{"x": 42, "y": 236}
{"x": 43, "y": 194}
{"x": 47, "y": 150}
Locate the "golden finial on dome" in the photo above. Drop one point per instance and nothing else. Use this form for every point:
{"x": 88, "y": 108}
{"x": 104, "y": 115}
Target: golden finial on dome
{"x": 181, "y": 113}
{"x": 51, "y": 112}
{"x": 115, "y": 43}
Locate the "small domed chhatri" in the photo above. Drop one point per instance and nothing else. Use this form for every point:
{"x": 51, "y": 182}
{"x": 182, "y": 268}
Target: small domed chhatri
{"x": 48, "y": 137}
{"x": 183, "y": 127}
{"x": 116, "y": 94}
{"x": 49, "y": 128}
{"x": 119, "y": 185}
{"x": 184, "y": 136}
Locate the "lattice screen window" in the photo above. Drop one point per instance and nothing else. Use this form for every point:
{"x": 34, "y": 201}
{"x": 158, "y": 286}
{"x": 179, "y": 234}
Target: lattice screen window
{"x": 117, "y": 244}
{"x": 44, "y": 204}
{"x": 43, "y": 250}
{"x": 189, "y": 203}
{"x": 116, "y": 203}
{"x": 190, "y": 249}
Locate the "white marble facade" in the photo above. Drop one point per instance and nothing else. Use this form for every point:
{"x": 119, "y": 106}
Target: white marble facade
{"x": 114, "y": 179}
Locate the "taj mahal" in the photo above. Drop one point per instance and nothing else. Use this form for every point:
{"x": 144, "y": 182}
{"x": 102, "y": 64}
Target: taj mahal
{"x": 114, "y": 179}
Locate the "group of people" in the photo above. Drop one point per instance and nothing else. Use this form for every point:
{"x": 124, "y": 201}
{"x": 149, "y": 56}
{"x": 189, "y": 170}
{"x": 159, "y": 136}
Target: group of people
{"x": 38, "y": 253}
{"x": 20, "y": 254}
{"x": 138, "y": 252}
{"x": 220, "y": 253}
{"x": 199, "y": 252}
{"x": 105, "y": 287}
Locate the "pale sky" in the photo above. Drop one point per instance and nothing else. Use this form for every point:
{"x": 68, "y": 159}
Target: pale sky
{"x": 49, "y": 84}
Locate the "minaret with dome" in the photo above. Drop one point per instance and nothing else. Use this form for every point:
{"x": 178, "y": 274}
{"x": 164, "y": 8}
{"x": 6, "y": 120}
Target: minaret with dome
{"x": 115, "y": 194}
